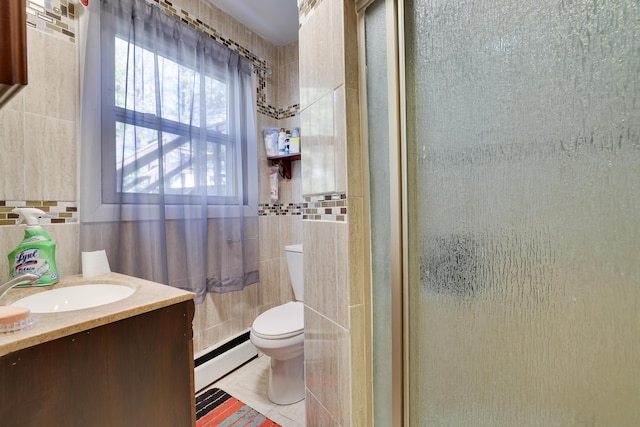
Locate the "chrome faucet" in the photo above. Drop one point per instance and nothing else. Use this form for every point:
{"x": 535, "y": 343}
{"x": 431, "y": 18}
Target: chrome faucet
{"x": 23, "y": 279}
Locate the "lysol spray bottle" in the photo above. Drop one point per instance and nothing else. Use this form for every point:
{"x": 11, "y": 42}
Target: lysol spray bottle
{"x": 36, "y": 254}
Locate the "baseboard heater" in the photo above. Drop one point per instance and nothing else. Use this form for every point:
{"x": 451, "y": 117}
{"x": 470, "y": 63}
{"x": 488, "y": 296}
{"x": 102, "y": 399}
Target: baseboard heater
{"x": 215, "y": 362}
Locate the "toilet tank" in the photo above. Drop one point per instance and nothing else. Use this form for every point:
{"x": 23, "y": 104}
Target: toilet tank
{"x": 296, "y": 273}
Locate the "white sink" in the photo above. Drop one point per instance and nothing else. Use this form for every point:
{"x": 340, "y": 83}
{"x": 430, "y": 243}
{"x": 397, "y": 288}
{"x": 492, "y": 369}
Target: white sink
{"x": 74, "y": 298}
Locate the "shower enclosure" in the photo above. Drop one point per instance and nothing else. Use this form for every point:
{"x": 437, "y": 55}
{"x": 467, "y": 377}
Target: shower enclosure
{"x": 518, "y": 128}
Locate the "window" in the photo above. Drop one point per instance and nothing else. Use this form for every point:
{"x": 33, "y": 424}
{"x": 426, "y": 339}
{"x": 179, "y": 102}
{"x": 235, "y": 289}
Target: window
{"x": 168, "y": 124}
{"x": 169, "y": 157}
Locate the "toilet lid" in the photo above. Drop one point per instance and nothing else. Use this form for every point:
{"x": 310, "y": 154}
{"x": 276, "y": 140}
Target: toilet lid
{"x": 283, "y": 321}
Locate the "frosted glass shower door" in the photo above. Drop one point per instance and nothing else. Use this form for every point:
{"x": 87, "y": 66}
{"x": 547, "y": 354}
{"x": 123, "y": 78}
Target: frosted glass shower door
{"x": 523, "y": 157}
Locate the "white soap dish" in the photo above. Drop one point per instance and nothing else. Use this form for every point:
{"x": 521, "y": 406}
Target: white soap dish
{"x": 13, "y": 319}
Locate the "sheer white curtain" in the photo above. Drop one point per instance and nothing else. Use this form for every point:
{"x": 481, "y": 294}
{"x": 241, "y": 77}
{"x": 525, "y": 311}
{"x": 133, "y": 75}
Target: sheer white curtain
{"x": 169, "y": 172}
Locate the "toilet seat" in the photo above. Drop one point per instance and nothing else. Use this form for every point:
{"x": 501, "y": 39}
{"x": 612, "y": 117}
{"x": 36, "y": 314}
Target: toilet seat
{"x": 283, "y": 321}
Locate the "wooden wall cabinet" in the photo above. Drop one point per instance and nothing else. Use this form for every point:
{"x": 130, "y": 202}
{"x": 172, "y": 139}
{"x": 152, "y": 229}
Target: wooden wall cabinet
{"x": 13, "y": 48}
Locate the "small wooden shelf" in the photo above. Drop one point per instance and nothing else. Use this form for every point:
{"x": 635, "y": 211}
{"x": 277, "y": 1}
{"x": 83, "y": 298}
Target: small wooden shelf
{"x": 285, "y": 162}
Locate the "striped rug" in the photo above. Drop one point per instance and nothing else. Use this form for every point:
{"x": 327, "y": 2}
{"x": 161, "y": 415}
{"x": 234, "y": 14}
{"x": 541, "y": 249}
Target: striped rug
{"x": 215, "y": 407}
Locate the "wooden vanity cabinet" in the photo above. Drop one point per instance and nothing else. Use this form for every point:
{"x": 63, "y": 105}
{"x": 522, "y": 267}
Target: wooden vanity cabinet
{"x": 133, "y": 372}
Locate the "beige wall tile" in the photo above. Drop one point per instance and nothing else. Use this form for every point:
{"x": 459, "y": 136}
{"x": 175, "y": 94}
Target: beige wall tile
{"x": 263, "y": 48}
{"x": 296, "y": 181}
{"x": 288, "y": 53}
{"x": 320, "y": 267}
{"x": 52, "y": 88}
{"x": 342, "y": 285}
{"x": 208, "y": 13}
{"x": 217, "y": 19}
{"x": 12, "y": 155}
{"x": 269, "y": 237}
{"x": 213, "y": 311}
{"x": 327, "y": 365}
{"x": 269, "y": 286}
{"x": 192, "y": 7}
{"x": 50, "y": 155}
{"x": 305, "y": 68}
{"x": 359, "y": 374}
{"x": 340, "y": 141}
{"x": 241, "y": 34}
{"x": 343, "y": 402}
{"x": 312, "y": 291}
{"x": 359, "y": 418}
{"x": 286, "y": 289}
{"x": 350, "y": 44}
{"x": 318, "y": 55}
{"x": 318, "y": 162}
{"x": 290, "y": 231}
{"x": 317, "y": 415}
{"x": 288, "y": 85}
{"x": 337, "y": 42}
{"x": 272, "y": 91}
{"x": 358, "y": 251}
{"x": 205, "y": 338}
{"x": 357, "y": 175}
{"x": 242, "y": 302}
{"x": 224, "y": 315}
{"x": 67, "y": 239}
{"x": 243, "y": 323}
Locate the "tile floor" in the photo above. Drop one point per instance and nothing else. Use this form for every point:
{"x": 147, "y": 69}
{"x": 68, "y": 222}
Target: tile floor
{"x": 249, "y": 384}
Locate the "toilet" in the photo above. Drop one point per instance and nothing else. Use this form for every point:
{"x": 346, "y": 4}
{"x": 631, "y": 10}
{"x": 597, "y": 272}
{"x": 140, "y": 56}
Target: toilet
{"x": 279, "y": 334}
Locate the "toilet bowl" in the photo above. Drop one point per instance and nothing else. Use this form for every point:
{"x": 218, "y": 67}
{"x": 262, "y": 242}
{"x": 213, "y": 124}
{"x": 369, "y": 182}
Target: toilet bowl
{"x": 279, "y": 334}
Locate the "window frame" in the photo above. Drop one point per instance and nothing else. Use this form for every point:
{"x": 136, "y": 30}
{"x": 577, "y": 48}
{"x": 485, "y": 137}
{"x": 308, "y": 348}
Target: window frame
{"x": 102, "y": 207}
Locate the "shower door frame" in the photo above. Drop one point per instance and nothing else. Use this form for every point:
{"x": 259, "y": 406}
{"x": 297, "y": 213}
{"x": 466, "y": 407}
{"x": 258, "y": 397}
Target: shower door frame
{"x": 399, "y": 243}
{"x": 404, "y": 246}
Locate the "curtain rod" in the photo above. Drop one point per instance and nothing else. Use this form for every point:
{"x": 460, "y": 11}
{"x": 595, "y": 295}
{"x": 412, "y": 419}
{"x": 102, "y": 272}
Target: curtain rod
{"x": 264, "y": 69}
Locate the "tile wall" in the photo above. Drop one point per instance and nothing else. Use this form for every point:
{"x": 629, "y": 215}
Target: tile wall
{"x": 38, "y": 146}
{"x": 337, "y": 338}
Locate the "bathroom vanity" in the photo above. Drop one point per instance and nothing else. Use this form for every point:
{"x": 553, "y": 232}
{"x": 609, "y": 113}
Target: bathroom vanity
{"x": 127, "y": 363}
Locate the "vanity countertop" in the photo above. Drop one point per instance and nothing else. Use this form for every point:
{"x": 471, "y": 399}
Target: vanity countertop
{"x": 148, "y": 296}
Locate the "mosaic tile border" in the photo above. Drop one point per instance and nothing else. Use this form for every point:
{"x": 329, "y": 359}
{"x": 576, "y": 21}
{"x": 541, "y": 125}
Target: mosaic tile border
{"x": 276, "y": 209}
{"x": 279, "y": 113}
{"x": 55, "y": 17}
{"x": 326, "y": 207}
{"x": 57, "y": 212}
{"x": 305, "y": 7}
